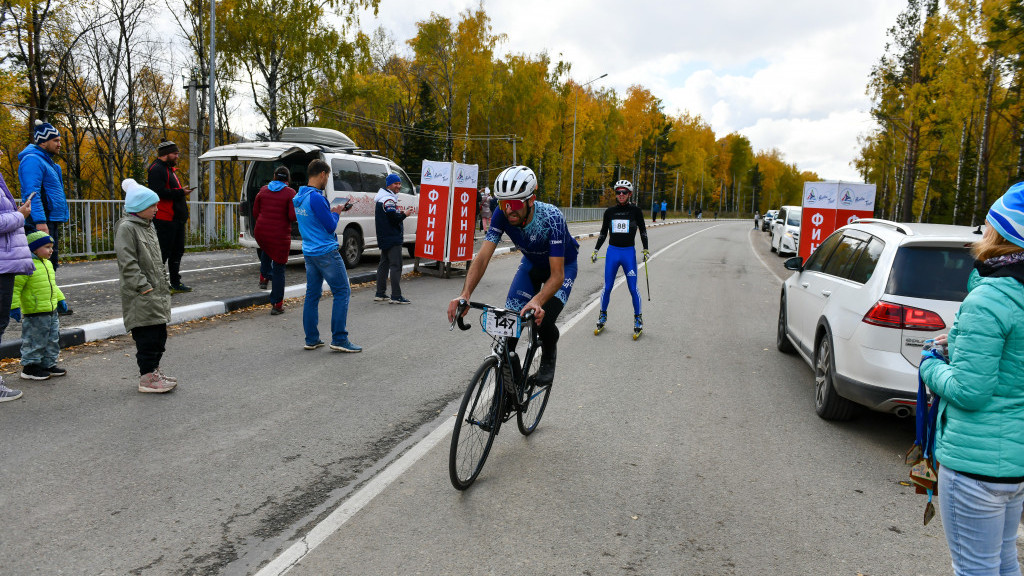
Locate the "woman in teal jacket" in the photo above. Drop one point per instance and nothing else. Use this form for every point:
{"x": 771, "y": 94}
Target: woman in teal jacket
{"x": 979, "y": 440}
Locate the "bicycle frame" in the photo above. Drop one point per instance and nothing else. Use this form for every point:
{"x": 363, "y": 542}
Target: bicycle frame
{"x": 500, "y": 350}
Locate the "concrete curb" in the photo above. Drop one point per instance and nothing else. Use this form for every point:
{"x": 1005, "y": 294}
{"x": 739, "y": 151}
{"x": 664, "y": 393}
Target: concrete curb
{"x": 115, "y": 327}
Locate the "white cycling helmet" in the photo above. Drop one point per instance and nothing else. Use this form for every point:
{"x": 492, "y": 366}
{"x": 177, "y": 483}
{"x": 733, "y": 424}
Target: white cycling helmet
{"x": 624, "y": 184}
{"x": 515, "y": 182}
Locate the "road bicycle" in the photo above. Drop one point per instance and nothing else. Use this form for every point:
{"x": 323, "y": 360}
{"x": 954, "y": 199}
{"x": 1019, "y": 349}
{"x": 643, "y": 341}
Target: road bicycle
{"x": 502, "y": 386}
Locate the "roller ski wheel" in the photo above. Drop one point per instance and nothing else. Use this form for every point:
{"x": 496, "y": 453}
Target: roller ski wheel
{"x": 637, "y": 333}
{"x": 638, "y": 326}
{"x": 600, "y": 323}
{"x": 599, "y": 329}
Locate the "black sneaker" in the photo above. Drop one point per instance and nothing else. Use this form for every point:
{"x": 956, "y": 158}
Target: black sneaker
{"x": 34, "y": 372}
{"x": 179, "y": 288}
{"x": 56, "y": 370}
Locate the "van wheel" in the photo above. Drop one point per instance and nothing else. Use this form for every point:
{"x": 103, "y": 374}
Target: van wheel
{"x": 827, "y": 402}
{"x": 351, "y": 247}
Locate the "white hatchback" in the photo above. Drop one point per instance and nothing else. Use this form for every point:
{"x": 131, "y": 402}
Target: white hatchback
{"x": 785, "y": 231}
{"x": 859, "y": 310}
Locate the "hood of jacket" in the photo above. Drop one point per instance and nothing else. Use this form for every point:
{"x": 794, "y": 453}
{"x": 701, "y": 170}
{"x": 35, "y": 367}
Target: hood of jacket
{"x": 1007, "y": 279}
{"x": 276, "y": 185}
{"x": 303, "y": 194}
{"x": 385, "y": 194}
{"x": 33, "y": 150}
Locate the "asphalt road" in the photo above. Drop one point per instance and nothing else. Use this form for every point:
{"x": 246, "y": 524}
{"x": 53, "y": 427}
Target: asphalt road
{"x": 694, "y": 450}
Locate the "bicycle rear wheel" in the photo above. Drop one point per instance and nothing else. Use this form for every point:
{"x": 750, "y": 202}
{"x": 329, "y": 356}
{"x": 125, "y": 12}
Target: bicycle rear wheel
{"x": 475, "y": 426}
{"x": 532, "y": 399}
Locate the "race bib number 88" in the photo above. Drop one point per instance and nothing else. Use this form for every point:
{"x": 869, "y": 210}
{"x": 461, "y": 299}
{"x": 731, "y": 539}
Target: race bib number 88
{"x": 502, "y": 323}
{"x": 620, "y": 226}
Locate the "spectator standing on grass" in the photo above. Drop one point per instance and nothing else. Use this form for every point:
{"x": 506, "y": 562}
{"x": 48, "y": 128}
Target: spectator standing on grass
{"x": 274, "y": 213}
{"x": 664, "y": 210}
{"x": 35, "y": 303}
{"x": 318, "y": 223}
{"x": 15, "y": 259}
{"x": 172, "y": 211}
{"x": 979, "y": 435}
{"x": 145, "y": 289}
{"x": 389, "y": 218}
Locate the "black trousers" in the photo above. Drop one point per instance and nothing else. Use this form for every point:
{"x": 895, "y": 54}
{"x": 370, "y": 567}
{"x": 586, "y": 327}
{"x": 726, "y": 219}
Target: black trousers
{"x": 6, "y": 295}
{"x": 150, "y": 342}
{"x": 171, "y": 234}
{"x": 390, "y": 264}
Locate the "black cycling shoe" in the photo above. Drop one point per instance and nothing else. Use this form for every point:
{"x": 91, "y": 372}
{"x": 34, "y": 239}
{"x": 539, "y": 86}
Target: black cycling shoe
{"x": 546, "y": 373}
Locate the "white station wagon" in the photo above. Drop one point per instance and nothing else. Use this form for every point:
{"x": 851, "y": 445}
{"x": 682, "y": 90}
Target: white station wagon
{"x": 859, "y": 310}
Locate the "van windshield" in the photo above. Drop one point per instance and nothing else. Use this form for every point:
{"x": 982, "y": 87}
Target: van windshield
{"x": 794, "y": 218}
{"x": 934, "y": 273}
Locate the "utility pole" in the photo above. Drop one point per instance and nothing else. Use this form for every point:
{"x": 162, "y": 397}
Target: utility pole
{"x": 211, "y": 211}
{"x": 193, "y": 144}
{"x": 675, "y": 197}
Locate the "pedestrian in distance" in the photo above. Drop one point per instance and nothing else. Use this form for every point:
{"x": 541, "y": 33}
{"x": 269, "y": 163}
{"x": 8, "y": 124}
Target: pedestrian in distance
{"x": 664, "y": 210}
{"x": 172, "y": 210}
{"x": 979, "y": 435}
{"x": 274, "y": 213}
{"x": 42, "y": 180}
{"x": 621, "y": 222}
{"x": 15, "y": 259}
{"x": 654, "y": 211}
{"x": 757, "y": 219}
{"x": 145, "y": 287}
{"x": 485, "y": 209}
{"x": 35, "y": 302}
{"x": 388, "y": 217}
{"x": 318, "y": 223}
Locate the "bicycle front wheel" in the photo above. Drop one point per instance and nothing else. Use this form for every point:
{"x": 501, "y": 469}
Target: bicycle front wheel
{"x": 475, "y": 426}
{"x": 532, "y": 398}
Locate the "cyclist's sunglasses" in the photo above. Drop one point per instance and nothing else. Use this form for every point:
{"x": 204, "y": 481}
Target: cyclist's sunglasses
{"x": 622, "y": 192}
{"x": 511, "y": 205}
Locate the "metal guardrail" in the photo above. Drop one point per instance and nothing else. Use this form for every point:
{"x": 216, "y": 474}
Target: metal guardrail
{"x": 90, "y": 230}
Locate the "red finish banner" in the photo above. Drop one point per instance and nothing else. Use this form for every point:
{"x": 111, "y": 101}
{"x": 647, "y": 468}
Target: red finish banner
{"x": 432, "y": 218}
{"x": 463, "y": 220}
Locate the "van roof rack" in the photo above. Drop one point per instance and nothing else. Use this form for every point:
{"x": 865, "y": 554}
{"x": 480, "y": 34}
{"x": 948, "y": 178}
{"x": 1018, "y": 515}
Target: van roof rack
{"x": 894, "y": 225}
{"x": 317, "y": 135}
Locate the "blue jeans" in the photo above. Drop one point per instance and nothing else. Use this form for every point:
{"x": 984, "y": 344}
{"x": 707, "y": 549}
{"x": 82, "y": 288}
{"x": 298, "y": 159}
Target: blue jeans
{"x": 40, "y": 340}
{"x": 330, "y": 268}
{"x": 980, "y": 520}
{"x": 274, "y": 271}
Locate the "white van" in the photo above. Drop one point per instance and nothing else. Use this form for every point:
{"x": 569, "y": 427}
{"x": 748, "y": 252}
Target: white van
{"x": 356, "y": 175}
{"x": 786, "y": 231}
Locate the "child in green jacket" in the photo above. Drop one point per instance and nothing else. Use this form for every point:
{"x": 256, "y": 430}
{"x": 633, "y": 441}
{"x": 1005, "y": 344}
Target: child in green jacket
{"x": 35, "y": 304}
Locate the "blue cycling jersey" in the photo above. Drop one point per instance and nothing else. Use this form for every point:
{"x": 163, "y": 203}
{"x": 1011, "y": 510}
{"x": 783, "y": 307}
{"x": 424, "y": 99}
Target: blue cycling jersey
{"x": 545, "y": 236}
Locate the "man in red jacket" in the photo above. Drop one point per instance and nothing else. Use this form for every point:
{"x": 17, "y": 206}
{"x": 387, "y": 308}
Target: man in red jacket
{"x": 171, "y": 211}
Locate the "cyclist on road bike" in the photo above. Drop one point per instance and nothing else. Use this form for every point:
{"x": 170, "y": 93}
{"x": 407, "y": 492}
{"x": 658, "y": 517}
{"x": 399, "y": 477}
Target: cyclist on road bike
{"x": 547, "y": 271}
{"x": 623, "y": 221}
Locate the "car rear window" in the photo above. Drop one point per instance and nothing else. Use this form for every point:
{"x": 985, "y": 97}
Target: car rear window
{"x": 935, "y": 273}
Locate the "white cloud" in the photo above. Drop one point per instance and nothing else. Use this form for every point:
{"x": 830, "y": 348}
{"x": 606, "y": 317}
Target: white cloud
{"x": 790, "y": 74}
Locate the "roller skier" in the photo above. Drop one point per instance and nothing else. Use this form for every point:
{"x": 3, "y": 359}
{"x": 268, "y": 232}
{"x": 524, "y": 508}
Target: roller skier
{"x": 622, "y": 222}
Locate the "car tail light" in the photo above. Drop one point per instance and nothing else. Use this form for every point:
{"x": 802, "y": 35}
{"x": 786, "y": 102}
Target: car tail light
{"x": 892, "y": 315}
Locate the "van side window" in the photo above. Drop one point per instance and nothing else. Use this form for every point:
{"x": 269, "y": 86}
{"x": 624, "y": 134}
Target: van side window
{"x": 406, "y": 184}
{"x": 346, "y": 175}
{"x": 374, "y": 176}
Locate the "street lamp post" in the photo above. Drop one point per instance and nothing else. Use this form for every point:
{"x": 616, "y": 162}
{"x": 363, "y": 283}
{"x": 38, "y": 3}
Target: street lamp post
{"x": 576, "y": 99}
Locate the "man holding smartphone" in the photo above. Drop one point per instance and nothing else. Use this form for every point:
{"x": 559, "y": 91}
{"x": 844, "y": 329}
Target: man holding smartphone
{"x": 388, "y": 217}
{"x": 171, "y": 211}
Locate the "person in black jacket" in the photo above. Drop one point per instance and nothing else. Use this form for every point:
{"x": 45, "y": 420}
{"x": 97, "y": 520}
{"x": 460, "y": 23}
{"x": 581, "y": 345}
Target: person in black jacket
{"x": 388, "y": 217}
{"x": 622, "y": 221}
{"x": 172, "y": 211}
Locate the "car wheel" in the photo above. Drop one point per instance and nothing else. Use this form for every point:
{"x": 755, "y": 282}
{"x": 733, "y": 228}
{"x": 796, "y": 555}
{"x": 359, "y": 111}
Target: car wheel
{"x": 771, "y": 245}
{"x": 781, "y": 341}
{"x": 351, "y": 247}
{"x": 827, "y": 402}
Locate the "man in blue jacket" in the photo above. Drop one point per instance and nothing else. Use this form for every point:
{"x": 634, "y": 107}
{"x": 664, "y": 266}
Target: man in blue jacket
{"x": 388, "y": 217}
{"x": 38, "y": 173}
{"x": 317, "y": 224}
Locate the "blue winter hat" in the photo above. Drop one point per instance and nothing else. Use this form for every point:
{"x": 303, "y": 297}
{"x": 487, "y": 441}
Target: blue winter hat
{"x": 1007, "y": 215}
{"x": 392, "y": 179}
{"x": 137, "y": 197}
{"x": 44, "y": 132}
{"x": 38, "y": 239}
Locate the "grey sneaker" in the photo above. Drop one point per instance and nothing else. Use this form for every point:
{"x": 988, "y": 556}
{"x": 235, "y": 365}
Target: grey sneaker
{"x": 7, "y": 394}
{"x": 379, "y": 298}
{"x": 345, "y": 346}
{"x": 314, "y": 346}
{"x": 165, "y": 376}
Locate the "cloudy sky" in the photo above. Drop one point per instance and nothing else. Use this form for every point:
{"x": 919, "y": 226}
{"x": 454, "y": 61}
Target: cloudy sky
{"x": 788, "y": 74}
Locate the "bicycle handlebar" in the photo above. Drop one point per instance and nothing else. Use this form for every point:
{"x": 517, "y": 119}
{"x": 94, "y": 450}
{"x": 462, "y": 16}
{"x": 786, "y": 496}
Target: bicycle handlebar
{"x": 465, "y": 305}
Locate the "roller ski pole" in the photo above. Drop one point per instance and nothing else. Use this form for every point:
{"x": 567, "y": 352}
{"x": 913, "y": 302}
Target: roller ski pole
{"x": 600, "y": 322}
{"x": 647, "y": 277}
{"x": 638, "y": 325}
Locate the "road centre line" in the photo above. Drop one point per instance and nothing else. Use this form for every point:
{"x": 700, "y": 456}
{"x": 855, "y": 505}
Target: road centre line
{"x": 297, "y": 551}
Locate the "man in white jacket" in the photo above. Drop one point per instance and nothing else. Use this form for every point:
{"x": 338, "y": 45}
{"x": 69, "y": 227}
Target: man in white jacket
{"x": 388, "y": 217}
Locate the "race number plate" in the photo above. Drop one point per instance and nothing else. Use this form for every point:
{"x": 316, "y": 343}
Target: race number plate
{"x": 501, "y": 323}
{"x": 620, "y": 226}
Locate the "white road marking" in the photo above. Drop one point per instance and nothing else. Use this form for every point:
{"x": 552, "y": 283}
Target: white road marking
{"x": 297, "y": 551}
{"x": 763, "y": 263}
{"x": 62, "y": 286}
